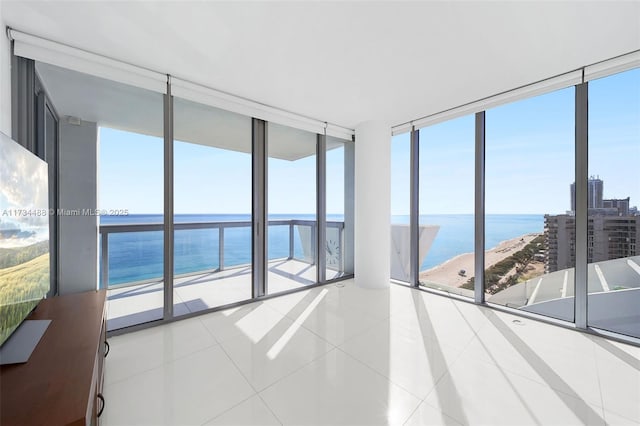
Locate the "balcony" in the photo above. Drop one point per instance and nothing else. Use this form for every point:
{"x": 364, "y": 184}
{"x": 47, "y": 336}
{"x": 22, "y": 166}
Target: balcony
{"x": 138, "y": 297}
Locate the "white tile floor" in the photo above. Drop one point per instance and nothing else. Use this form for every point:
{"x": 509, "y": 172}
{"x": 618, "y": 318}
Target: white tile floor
{"x": 353, "y": 356}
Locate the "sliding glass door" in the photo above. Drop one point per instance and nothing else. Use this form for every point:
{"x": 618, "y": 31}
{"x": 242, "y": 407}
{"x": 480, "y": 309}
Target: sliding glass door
{"x": 129, "y": 122}
{"x": 400, "y": 207}
{"x": 292, "y": 230}
{"x": 340, "y": 205}
{"x": 166, "y": 189}
{"x": 212, "y": 207}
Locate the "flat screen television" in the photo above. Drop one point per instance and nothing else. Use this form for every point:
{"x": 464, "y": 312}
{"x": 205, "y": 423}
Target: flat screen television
{"x": 24, "y": 234}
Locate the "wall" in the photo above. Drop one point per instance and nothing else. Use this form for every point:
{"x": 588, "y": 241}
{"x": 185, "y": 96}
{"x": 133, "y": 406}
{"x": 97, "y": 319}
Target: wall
{"x": 78, "y": 190}
{"x": 5, "y": 79}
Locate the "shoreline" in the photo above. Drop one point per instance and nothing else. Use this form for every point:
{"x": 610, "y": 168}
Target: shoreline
{"x": 447, "y": 273}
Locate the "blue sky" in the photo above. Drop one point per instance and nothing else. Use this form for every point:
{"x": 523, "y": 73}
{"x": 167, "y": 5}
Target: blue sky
{"x": 529, "y": 162}
{"x": 529, "y": 155}
{"x": 206, "y": 179}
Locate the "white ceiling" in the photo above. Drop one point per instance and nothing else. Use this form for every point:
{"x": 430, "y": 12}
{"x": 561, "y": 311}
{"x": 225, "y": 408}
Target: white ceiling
{"x": 344, "y": 62}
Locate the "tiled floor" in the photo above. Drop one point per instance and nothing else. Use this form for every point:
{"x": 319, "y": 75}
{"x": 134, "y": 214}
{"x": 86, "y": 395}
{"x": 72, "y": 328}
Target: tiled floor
{"x": 346, "y": 355}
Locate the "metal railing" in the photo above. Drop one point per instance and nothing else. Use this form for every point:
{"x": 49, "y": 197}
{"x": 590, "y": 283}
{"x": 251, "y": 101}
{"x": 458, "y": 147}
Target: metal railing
{"x": 108, "y": 229}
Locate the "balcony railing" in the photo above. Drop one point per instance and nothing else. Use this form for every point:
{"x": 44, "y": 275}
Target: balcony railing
{"x": 219, "y": 227}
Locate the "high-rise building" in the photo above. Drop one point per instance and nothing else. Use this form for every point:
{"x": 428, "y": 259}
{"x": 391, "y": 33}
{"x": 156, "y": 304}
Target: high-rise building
{"x": 613, "y": 230}
{"x": 596, "y": 191}
{"x": 608, "y": 237}
{"x": 560, "y": 241}
{"x": 622, "y": 205}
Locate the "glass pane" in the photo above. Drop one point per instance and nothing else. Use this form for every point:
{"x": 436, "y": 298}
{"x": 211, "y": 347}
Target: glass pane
{"x": 212, "y": 207}
{"x": 447, "y": 164}
{"x": 278, "y": 244}
{"x": 339, "y": 232}
{"x": 400, "y": 206}
{"x": 122, "y": 196}
{"x": 530, "y": 158}
{"x": 131, "y": 182}
{"x": 291, "y": 234}
{"x": 135, "y": 257}
{"x": 614, "y": 190}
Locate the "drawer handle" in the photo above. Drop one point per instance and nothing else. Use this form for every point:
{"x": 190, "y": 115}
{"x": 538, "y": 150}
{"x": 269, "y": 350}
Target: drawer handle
{"x": 107, "y": 348}
{"x": 101, "y": 398}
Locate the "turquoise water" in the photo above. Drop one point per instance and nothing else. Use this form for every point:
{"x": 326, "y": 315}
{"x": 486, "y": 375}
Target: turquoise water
{"x": 456, "y": 233}
{"x": 135, "y": 256}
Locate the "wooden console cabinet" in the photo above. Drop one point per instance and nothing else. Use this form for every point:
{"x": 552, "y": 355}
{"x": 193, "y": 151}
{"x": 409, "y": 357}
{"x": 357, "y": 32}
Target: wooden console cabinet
{"x": 61, "y": 384}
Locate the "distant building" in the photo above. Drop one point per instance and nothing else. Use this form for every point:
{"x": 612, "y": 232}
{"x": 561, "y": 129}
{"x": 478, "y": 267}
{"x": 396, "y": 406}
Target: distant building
{"x": 560, "y": 242}
{"x": 608, "y": 237}
{"x": 613, "y": 230}
{"x": 612, "y": 237}
{"x": 621, "y": 205}
{"x": 609, "y": 211}
{"x": 596, "y": 191}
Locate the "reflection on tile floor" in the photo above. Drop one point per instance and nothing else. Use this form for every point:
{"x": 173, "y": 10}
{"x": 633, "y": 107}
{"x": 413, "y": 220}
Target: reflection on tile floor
{"x": 345, "y": 355}
{"x": 142, "y": 303}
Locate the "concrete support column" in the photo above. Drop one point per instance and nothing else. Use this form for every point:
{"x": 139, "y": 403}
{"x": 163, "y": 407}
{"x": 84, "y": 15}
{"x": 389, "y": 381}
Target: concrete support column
{"x": 372, "y": 205}
{"x": 78, "y": 188}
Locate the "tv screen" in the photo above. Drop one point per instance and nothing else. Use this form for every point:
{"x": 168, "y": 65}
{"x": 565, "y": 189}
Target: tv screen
{"x": 24, "y": 234}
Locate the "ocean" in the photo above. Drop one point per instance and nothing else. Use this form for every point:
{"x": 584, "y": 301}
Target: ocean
{"x": 456, "y": 234}
{"x": 135, "y": 256}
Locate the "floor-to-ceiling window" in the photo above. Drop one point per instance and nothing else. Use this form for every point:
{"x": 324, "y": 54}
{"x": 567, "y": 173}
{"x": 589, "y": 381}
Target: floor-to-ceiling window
{"x": 613, "y": 226}
{"x": 526, "y": 174}
{"x": 129, "y": 183}
{"x": 400, "y": 207}
{"x": 38, "y": 132}
{"x": 212, "y": 207}
{"x": 291, "y": 208}
{"x": 137, "y": 150}
{"x": 109, "y": 190}
{"x": 339, "y": 195}
{"x": 47, "y": 134}
{"x": 529, "y": 228}
{"x": 131, "y": 194}
{"x": 211, "y": 183}
{"x": 446, "y": 207}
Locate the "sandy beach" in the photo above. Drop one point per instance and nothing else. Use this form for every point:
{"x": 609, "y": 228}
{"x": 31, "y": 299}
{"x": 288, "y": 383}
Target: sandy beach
{"x": 448, "y": 273}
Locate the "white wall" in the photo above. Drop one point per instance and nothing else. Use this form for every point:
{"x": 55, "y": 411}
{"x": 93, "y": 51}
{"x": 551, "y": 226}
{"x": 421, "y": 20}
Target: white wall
{"x": 78, "y": 185}
{"x": 372, "y": 205}
{"x": 5, "y": 79}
